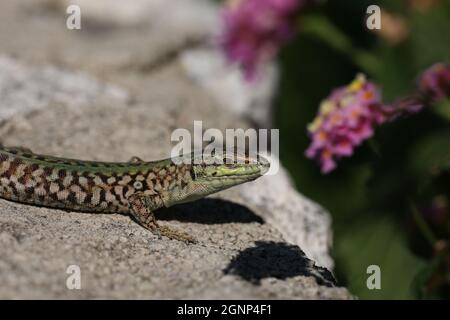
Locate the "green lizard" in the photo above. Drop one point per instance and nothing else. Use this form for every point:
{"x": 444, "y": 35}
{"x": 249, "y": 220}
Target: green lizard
{"x": 135, "y": 187}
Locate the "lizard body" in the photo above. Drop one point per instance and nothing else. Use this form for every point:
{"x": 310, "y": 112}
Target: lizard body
{"x": 135, "y": 187}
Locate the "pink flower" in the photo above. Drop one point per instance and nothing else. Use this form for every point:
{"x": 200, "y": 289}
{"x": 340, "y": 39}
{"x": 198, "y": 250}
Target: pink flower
{"x": 350, "y": 115}
{"x": 405, "y": 106}
{"x": 255, "y": 29}
{"x": 434, "y": 83}
{"x": 346, "y": 119}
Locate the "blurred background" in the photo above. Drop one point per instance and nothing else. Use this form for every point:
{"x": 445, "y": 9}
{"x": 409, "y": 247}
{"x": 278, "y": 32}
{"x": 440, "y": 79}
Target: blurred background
{"x": 368, "y": 195}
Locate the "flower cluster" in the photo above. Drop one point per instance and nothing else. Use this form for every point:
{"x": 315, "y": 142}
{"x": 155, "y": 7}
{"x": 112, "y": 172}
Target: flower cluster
{"x": 350, "y": 114}
{"x": 255, "y": 29}
{"x": 434, "y": 83}
{"x": 345, "y": 119}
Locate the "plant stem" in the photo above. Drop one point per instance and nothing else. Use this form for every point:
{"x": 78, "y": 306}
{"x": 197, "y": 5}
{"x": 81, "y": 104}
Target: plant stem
{"x": 373, "y": 145}
{"x": 321, "y": 28}
{"x": 422, "y": 224}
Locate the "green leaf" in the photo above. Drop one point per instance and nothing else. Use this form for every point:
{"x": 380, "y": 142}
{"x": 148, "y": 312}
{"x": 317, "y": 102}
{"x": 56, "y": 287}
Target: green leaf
{"x": 442, "y": 109}
{"x": 420, "y": 281}
{"x": 377, "y": 240}
{"x": 321, "y": 28}
{"x": 431, "y": 155}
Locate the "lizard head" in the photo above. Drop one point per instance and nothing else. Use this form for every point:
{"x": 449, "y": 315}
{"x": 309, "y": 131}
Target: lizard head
{"x": 210, "y": 174}
{"x": 225, "y": 171}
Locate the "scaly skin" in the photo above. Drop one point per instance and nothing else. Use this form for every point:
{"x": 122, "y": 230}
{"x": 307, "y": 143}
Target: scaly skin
{"x": 135, "y": 187}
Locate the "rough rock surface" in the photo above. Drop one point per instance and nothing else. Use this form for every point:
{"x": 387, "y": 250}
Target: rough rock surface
{"x": 245, "y": 248}
{"x": 289, "y": 212}
{"x": 250, "y": 100}
{"x": 25, "y": 89}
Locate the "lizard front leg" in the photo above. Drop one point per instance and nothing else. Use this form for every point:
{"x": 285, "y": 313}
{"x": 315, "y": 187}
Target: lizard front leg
{"x": 141, "y": 206}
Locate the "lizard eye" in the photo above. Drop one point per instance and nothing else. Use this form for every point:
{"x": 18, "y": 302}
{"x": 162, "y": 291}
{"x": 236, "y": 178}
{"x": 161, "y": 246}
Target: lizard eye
{"x": 138, "y": 185}
{"x": 228, "y": 161}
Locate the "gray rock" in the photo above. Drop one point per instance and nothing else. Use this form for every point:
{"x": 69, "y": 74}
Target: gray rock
{"x": 24, "y": 89}
{"x": 300, "y": 221}
{"x": 185, "y": 17}
{"x": 224, "y": 81}
{"x": 38, "y": 246}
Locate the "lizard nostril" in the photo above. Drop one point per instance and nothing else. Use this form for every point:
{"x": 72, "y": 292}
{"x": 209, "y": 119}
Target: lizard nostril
{"x": 228, "y": 161}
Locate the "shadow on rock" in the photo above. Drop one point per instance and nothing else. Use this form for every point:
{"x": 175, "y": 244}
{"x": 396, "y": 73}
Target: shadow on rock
{"x": 276, "y": 260}
{"x": 209, "y": 211}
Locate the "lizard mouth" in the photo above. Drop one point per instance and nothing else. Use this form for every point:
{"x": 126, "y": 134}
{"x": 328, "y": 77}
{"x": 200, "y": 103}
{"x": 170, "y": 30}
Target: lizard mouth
{"x": 232, "y": 176}
{"x": 233, "y": 172}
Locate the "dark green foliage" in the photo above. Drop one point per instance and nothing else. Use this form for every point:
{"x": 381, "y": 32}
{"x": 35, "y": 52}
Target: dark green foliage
{"x": 405, "y": 166}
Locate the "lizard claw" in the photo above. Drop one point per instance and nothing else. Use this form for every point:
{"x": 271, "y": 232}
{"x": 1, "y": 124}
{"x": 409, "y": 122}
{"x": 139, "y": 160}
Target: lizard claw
{"x": 175, "y": 234}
